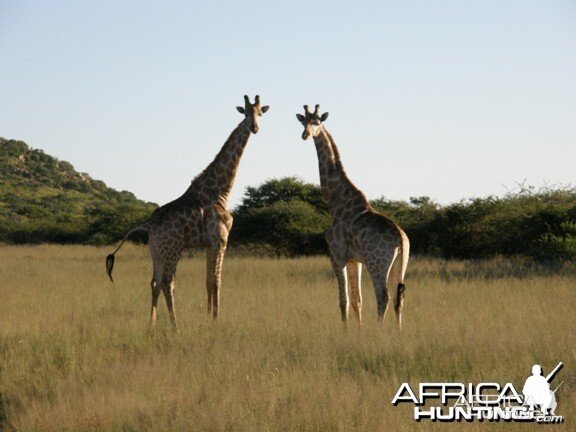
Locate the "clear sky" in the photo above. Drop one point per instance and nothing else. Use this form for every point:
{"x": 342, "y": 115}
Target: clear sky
{"x": 449, "y": 99}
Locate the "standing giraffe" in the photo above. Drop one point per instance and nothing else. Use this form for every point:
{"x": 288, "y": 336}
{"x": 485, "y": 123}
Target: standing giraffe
{"x": 359, "y": 234}
{"x": 198, "y": 218}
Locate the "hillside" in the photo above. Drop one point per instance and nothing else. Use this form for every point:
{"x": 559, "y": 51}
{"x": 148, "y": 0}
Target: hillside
{"x": 43, "y": 199}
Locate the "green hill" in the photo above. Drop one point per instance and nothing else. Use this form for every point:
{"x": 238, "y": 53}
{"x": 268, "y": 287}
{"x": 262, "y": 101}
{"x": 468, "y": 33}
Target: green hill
{"x": 43, "y": 199}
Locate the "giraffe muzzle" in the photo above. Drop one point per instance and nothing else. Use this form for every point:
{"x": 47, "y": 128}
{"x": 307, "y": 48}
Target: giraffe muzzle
{"x": 254, "y": 129}
{"x": 305, "y": 135}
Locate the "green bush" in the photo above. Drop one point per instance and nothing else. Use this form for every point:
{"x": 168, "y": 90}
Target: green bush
{"x": 528, "y": 223}
{"x": 559, "y": 245}
{"x": 281, "y": 190}
{"x": 292, "y": 227}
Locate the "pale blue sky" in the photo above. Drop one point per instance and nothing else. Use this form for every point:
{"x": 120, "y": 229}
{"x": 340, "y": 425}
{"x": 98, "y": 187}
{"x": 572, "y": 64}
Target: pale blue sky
{"x": 450, "y": 99}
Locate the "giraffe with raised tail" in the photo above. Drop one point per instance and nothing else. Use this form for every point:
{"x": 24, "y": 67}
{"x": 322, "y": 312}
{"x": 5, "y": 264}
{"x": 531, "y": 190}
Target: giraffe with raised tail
{"x": 359, "y": 234}
{"x": 198, "y": 218}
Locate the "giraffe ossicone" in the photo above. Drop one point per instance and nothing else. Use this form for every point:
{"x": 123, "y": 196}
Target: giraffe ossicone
{"x": 199, "y": 217}
{"x": 358, "y": 234}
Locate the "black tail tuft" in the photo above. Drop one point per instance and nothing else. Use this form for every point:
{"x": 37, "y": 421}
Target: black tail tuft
{"x": 399, "y": 304}
{"x": 110, "y": 265}
{"x": 401, "y": 288}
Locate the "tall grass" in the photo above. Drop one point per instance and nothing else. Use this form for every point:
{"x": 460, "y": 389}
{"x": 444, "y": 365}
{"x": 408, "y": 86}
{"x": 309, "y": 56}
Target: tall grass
{"x": 75, "y": 355}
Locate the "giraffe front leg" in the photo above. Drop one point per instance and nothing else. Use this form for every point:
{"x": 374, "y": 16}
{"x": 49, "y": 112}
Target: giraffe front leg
{"x": 355, "y": 275}
{"x": 342, "y": 292}
{"x": 215, "y": 275}
{"x": 337, "y": 246}
{"x": 218, "y": 223}
{"x": 340, "y": 272}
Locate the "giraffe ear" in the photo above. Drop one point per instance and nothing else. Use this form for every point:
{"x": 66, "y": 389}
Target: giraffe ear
{"x": 265, "y": 108}
{"x": 240, "y": 109}
{"x": 324, "y": 117}
{"x": 300, "y": 117}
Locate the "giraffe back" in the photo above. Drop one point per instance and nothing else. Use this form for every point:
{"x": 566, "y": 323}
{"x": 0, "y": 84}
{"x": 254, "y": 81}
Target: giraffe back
{"x": 177, "y": 226}
{"x": 370, "y": 233}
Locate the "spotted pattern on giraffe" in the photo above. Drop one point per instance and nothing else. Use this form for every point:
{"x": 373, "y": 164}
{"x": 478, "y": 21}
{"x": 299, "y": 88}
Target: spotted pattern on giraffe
{"x": 198, "y": 218}
{"x": 359, "y": 234}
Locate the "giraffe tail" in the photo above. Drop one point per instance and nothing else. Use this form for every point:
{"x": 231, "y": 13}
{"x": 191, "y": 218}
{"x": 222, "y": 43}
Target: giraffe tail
{"x": 400, "y": 265}
{"x": 111, "y": 257}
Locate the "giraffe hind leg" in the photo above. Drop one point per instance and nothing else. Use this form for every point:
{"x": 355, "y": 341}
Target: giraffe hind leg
{"x": 382, "y": 298}
{"x": 168, "y": 290}
{"x": 155, "y": 285}
{"x": 379, "y": 273}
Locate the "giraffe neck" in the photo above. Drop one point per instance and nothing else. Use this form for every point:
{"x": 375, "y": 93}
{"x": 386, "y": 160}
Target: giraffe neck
{"x": 215, "y": 182}
{"x": 340, "y": 194}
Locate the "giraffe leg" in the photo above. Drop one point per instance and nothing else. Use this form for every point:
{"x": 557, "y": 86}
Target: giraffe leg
{"x": 341, "y": 273}
{"x": 214, "y": 271}
{"x": 155, "y": 285}
{"x": 379, "y": 278}
{"x": 337, "y": 246}
{"x": 379, "y": 266}
{"x": 209, "y": 283}
{"x": 355, "y": 275}
{"x": 382, "y": 297}
{"x": 218, "y": 222}
{"x": 168, "y": 290}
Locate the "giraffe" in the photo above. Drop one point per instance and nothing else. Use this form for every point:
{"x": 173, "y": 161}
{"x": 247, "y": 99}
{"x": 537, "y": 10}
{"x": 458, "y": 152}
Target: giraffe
{"x": 358, "y": 234}
{"x": 197, "y": 218}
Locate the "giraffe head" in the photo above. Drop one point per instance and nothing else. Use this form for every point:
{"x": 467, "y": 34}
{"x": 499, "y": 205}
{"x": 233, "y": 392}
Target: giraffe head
{"x": 312, "y": 122}
{"x": 252, "y": 112}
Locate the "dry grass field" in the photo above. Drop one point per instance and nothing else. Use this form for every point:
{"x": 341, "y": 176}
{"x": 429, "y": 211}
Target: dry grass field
{"x": 75, "y": 354}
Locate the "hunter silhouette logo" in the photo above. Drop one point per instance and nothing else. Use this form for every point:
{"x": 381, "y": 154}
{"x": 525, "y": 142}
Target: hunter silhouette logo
{"x": 537, "y": 390}
{"x": 485, "y": 401}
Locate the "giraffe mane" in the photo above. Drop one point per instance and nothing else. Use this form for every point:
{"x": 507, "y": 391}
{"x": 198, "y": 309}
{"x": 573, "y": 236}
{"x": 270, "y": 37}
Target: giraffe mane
{"x": 218, "y": 155}
{"x": 340, "y": 167}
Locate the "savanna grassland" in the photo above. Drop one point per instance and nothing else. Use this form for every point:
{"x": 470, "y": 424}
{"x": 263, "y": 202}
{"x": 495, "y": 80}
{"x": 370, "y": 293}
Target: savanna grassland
{"x": 75, "y": 354}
